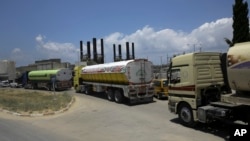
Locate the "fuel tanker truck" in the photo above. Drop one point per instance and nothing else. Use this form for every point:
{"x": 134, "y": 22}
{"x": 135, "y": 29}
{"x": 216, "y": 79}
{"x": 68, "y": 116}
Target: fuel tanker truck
{"x": 198, "y": 89}
{"x": 59, "y": 79}
{"x": 130, "y": 79}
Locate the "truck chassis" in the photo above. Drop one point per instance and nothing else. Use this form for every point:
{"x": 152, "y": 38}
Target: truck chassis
{"x": 134, "y": 93}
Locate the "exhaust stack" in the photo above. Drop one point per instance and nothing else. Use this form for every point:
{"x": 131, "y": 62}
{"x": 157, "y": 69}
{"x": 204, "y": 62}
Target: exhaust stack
{"x": 102, "y": 52}
{"x": 120, "y": 52}
{"x": 81, "y": 51}
{"x": 127, "y": 49}
{"x": 119, "y": 57}
{"x": 94, "y": 50}
{"x": 114, "y": 53}
{"x": 133, "y": 51}
{"x": 88, "y": 51}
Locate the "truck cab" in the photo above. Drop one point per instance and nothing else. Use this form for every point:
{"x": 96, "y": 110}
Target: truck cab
{"x": 77, "y": 80}
{"x": 210, "y": 86}
{"x": 160, "y": 88}
{"x": 195, "y": 80}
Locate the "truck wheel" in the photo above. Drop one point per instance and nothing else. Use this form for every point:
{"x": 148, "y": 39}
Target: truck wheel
{"x": 110, "y": 95}
{"x": 81, "y": 90}
{"x": 158, "y": 96}
{"x": 76, "y": 89}
{"x": 118, "y": 96}
{"x": 87, "y": 91}
{"x": 186, "y": 115}
{"x": 49, "y": 87}
{"x": 32, "y": 86}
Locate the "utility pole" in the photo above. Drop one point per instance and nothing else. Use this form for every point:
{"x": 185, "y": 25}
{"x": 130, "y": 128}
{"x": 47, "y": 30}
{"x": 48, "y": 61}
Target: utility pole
{"x": 161, "y": 68}
{"x": 194, "y": 46}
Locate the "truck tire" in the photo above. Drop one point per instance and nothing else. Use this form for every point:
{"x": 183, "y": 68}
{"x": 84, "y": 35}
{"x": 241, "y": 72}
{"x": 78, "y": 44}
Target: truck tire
{"x": 110, "y": 95}
{"x": 119, "y": 96}
{"x": 76, "y": 89}
{"x": 87, "y": 90}
{"x": 32, "y": 87}
{"x": 50, "y": 87}
{"x": 185, "y": 114}
{"x": 159, "y": 96}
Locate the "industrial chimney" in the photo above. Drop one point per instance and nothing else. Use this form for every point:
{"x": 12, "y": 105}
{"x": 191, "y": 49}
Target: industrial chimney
{"x": 114, "y": 53}
{"x": 120, "y": 52}
{"x": 102, "y": 51}
{"x": 88, "y": 51}
{"x": 133, "y": 50}
{"x": 94, "y": 50}
{"x": 81, "y": 51}
{"x": 127, "y": 49}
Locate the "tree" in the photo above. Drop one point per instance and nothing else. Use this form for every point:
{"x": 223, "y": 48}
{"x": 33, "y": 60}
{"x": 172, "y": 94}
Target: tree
{"x": 240, "y": 23}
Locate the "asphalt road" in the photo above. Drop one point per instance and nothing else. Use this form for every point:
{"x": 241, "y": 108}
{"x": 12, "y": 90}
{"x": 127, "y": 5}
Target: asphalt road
{"x": 93, "y": 118}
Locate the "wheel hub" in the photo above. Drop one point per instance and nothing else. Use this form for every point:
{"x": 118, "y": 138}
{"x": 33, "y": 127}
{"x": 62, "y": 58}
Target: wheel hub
{"x": 185, "y": 115}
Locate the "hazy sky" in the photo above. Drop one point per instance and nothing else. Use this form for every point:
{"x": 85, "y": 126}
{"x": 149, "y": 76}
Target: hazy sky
{"x": 43, "y": 29}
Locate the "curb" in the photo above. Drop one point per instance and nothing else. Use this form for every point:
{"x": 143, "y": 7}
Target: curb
{"x": 42, "y": 114}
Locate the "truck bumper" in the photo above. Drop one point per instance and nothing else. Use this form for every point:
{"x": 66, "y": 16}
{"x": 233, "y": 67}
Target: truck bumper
{"x": 134, "y": 100}
{"x": 142, "y": 93}
{"x": 162, "y": 94}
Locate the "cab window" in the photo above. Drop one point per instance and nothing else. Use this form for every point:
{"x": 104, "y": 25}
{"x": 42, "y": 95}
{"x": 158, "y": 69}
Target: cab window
{"x": 157, "y": 83}
{"x": 175, "y": 76}
{"x": 165, "y": 83}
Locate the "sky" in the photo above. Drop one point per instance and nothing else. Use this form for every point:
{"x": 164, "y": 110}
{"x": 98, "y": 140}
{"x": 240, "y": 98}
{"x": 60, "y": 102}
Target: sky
{"x": 33, "y": 30}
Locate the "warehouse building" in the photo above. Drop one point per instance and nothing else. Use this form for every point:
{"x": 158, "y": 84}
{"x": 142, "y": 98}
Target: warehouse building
{"x": 48, "y": 64}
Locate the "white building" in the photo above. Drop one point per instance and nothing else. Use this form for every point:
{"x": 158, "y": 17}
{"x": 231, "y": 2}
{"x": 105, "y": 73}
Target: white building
{"x": 7, "y": 70}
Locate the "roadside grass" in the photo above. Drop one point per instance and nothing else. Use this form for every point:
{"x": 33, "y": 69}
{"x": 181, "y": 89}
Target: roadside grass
{"x": 32, "y": 101}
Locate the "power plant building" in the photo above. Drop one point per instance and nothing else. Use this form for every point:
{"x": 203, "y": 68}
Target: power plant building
{"x": 48, "y": 64}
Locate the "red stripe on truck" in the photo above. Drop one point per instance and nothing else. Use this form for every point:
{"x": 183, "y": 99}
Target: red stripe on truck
{"x": 184, "y": 88}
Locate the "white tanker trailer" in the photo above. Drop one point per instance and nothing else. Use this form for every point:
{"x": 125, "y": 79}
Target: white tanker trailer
{"x": 129, "y": 79}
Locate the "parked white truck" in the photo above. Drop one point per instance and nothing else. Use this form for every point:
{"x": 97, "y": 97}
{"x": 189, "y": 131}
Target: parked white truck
{"x": 129, "y": 79}
{"x": 198, "y": 89}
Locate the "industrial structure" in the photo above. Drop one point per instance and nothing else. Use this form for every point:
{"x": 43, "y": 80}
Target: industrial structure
{"x": 48, "y": 64}
{"x": 7, "y": 70}
{"x": 128, "y": 55}
{"x": 97, "y": 58}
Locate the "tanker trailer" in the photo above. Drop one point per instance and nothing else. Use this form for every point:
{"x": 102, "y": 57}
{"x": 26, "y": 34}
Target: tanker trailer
{"x": 130, "y": 79}
{"x": 61, "y": 78}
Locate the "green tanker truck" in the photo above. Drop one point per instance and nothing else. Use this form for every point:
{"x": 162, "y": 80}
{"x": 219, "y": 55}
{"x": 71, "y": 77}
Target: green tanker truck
{"x": 59, "y": 79}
